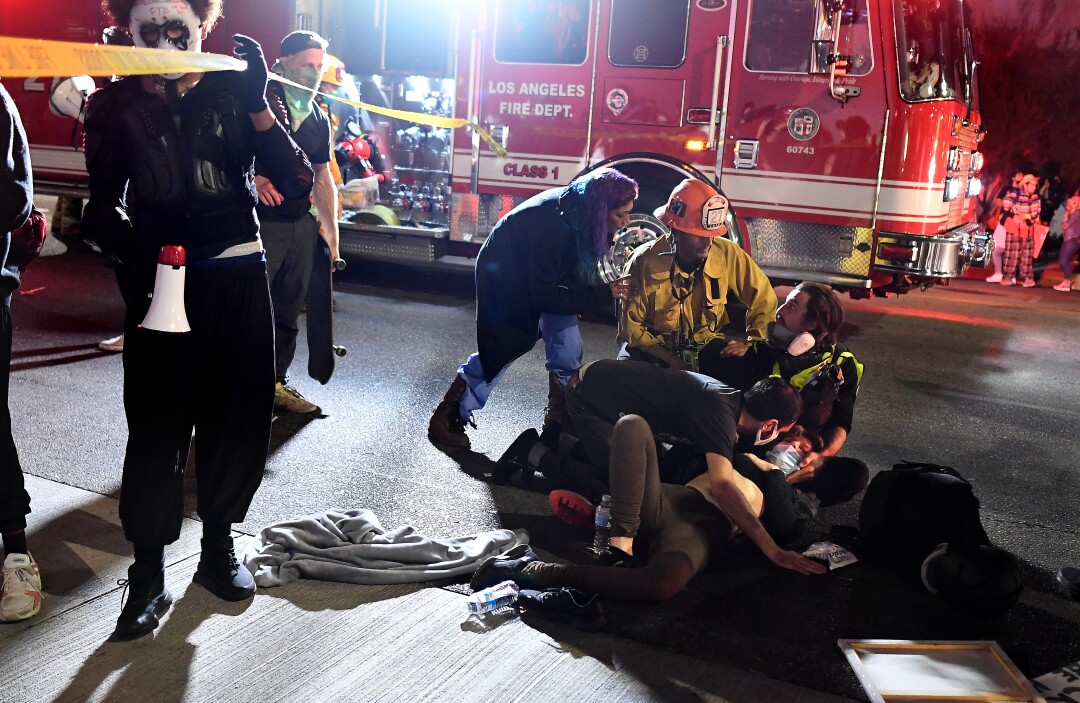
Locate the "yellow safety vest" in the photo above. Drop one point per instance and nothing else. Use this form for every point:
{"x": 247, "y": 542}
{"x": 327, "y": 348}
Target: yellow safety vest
{"x": 803, "y": 377}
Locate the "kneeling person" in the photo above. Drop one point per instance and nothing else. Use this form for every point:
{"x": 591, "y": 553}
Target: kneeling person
{"x": 683, "y": 281}
{"x": 803, "y": 348}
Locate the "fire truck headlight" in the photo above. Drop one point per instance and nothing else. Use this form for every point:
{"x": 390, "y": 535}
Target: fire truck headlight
{"x": 974, "y": 186}
{"x": 952, "y": 188}
{"x": 952, "y": 159}
{"x": 976, "y": 161}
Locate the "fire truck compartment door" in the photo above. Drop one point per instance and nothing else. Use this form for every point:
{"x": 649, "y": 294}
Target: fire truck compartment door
{"x": 644, "y": 101}
{"x": 534, "y": 88}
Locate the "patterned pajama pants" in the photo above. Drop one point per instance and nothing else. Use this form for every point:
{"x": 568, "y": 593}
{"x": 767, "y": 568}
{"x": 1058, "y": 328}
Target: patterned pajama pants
{"x": 1018, "y": 253}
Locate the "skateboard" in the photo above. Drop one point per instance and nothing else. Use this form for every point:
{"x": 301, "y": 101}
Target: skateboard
{"x": 320, "y": 315}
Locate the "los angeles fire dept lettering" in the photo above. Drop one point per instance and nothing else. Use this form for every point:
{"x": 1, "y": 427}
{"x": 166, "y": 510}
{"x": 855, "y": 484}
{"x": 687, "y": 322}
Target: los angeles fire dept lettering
{"x": 528, "y": 108}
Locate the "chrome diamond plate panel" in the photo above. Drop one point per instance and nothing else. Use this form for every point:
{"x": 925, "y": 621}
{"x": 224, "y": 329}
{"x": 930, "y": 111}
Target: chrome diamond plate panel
{"x": 472, "y": 216}
{"x": 803, "y": 246}
{"x": 382, "y": 247}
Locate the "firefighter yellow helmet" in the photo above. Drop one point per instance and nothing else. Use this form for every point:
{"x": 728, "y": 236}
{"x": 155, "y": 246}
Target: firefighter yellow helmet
{"x": 335, "y": 71}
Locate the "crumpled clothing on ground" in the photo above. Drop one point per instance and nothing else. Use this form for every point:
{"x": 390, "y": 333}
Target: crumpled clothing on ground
{"x": 353, "y": 547}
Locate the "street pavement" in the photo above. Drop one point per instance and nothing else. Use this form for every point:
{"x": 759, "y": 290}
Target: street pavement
{"x": 976, "y": 376}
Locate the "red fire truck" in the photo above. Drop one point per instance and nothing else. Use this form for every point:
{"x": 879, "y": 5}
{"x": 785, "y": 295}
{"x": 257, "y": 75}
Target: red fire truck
{"x": 844, "y": 132}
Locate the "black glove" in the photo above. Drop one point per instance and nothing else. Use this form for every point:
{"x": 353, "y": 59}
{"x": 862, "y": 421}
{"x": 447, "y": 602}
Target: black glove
{"x": 252, "y": 93}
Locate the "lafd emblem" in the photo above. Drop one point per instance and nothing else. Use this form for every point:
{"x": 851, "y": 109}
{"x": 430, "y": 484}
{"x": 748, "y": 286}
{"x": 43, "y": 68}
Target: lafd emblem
{"x": 803, "y": 124}
{"x": 617, "y": 100}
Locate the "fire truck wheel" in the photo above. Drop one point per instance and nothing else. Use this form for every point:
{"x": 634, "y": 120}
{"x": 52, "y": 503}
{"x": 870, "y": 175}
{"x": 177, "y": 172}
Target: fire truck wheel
{"x": 656, "y": 176}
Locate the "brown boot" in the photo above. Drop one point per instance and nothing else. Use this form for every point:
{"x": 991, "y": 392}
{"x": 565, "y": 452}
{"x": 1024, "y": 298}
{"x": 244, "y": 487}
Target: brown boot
{"x": 446, "y": 426}
{"x": 555, "y": 414}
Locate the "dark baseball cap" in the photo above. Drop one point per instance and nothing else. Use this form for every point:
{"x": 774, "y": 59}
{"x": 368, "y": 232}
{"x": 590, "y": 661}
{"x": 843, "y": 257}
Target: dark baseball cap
{"x": 301, "y": 41}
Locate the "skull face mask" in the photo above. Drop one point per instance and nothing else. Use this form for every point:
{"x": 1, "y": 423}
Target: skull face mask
{"x": 168, "y": 25}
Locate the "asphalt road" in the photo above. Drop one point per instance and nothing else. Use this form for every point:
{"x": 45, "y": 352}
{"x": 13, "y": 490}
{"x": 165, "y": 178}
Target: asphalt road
{"x": 976, "y": 376}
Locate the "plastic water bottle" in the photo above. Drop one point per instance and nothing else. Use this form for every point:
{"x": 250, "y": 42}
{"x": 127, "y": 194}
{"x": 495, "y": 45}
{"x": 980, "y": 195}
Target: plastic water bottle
{"x": 785, "y": 457}
{"x": 602, "y": 539}
{"x": 498, "y": 596}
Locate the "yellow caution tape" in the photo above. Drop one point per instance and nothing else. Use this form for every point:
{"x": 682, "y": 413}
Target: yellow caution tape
{"x": 21, "y": 57}
{"x": 36, "y": 57}
{"x": 416, "y": 117}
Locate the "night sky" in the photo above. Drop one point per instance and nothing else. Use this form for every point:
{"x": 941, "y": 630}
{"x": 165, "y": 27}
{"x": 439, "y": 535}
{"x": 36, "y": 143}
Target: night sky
{"x": 1029, "y": 84}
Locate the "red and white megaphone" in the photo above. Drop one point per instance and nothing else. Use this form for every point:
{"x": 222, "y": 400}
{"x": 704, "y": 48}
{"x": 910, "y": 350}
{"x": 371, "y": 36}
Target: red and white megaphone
{"x": 167, "y": 313}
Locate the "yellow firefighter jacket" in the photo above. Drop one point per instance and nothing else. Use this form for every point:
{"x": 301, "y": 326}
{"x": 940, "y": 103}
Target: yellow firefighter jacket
{"x": 652, "y": 318}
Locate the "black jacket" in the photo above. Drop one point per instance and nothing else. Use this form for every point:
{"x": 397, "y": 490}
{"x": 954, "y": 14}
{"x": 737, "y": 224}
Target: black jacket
{"x": 16, "y": 187}
{"x": 529, "y": 266}
{"x": 157, "y": 178}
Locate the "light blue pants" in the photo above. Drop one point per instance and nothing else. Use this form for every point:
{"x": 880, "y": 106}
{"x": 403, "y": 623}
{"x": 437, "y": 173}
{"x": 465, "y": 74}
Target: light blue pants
{"x": 562, "y": 344}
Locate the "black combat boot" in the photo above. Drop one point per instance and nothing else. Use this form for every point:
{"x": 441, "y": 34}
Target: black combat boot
{"x": 516, "y": 458}
{"x": 446, "y": 426}
{"x": 220, "y": 573}
{"x": 147, "y": 599}
{"x": 556, "y": 418}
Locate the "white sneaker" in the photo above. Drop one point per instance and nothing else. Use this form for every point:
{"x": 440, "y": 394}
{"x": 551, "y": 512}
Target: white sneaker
{"x": 1065, "y": 286}
{"x": 995, "y": 278}
{"x": 113, "y": 344}
{"x": 289, "y": 399}
{"x": 21, "y": 595}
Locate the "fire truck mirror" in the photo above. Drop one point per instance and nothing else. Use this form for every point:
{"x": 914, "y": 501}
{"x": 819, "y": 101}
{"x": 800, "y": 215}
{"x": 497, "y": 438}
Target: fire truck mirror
{"x": 819, "y": 55}
{"x": 826, "y": 28}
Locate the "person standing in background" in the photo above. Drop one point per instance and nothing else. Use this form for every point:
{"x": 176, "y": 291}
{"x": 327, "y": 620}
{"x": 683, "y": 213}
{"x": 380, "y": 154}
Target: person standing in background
{"x": 1023, "y": 207}
{"x": 290, "y": 230}
{"x": 999, "y": 225}
{"x": 21, "y": 595}
{"x": 1070, "y": 242}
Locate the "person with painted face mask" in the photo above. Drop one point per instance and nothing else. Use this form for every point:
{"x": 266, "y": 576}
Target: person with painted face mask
{"x": 683, "y": 282}
{"x": 620, "y": 408}
{"x": 169, "y": 159}
{"x": 291, "y": 227}
{"x": 802, "y": 347}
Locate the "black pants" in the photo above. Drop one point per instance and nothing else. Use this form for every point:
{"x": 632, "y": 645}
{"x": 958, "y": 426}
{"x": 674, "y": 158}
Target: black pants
{"x": 14, "y": 500}
{"x": 676, "y": 529}
{"x": 289, "y": 251}
{"x": 217, "y": 380}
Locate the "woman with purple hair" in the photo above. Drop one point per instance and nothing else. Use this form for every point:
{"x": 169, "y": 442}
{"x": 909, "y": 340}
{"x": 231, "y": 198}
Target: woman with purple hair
{"x": 536, "y": 272}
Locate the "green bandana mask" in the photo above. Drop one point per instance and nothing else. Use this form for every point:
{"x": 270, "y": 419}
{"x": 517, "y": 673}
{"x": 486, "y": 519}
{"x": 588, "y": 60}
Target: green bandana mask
{"x": 299, "y": 101}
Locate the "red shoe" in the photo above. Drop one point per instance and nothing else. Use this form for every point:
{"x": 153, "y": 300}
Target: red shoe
{"x": 572, "y": 508}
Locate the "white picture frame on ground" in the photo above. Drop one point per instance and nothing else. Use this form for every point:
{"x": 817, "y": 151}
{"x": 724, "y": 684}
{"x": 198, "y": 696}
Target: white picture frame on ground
{"x": 896, "y": 670}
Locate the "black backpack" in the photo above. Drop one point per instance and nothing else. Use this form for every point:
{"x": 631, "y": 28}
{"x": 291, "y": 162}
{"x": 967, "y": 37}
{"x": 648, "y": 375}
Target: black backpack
{"x": 911, "y": 508}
